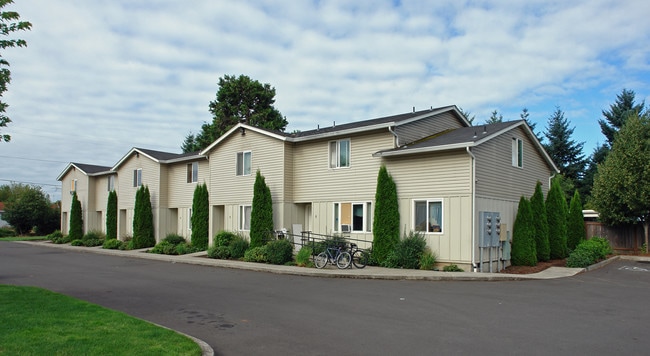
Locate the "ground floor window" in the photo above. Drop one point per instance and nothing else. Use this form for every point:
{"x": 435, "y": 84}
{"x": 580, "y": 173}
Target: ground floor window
{"x": 427, "y": 215}
{"x": 245, "y": 217}
{"x": 353, "y": 217}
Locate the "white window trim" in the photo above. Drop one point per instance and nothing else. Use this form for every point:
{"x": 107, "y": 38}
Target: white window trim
{"x": 337, "y": 164}
{"x": 442, "y": 215}
{"x": 192, "y": 174}
{"x": 367, "y": 216}
{"x": 241, "y": 217}
{"x": 243, "y": 155}
{"x": 517, "y": 157}
{"x": 73, "y": 185}
{"x": 137, "y": 178}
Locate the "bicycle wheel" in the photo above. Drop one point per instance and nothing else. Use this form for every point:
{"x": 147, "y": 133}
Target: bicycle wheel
{"x": 343, "y": 260}
{"x": 320, "y": 261}
{"x": 359, "y": 258}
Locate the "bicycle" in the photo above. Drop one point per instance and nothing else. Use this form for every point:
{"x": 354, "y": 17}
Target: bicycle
{"x": 359, "y": 257}
{"x": 334, "y": 255}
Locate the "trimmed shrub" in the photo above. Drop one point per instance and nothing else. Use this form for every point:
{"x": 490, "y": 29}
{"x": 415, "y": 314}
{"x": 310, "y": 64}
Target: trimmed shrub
{"x": 238, "y": 247}
{"x": 55, "y": 235}
{"x": 223, "y": 238}
{"x": 575, "y": 223}
{"x": 334, "y": 241}
{"x": 175, "y": 239}
{"x": 200, "y": 217}
{"x": 407, "y": 253}
{"x": 9, "y": 232}
{"x": 428, "y": 260}
{"x": 385, "y": 224}
{"x": 303, "y": 258}
{"x": 185, "y": 248}
{"x": 77, "y": 242}
{"x": 556, "y": 212}
{"x": 256, "y": 254}
{"x": 220, "y": 252}
{"x": 261, "y": 212}
{"x": 112, "y": 244}
{"x": 143, "y": 232}
{"x": 279, "y": 252}
{"x": 589, "y": 252}
{"x": 452, "y": 268}
{"x": 76, "y": 221}
{"x": 164, "y": 248}
{"x": 523, "y": 251}
{"x": 540, "y": 222}
{"x": 111, "y": 215}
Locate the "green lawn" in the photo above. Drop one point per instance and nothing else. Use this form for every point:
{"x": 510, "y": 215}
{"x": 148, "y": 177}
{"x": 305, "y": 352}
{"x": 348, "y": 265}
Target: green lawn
{"x": 35, "y": 321}
{"x": 24, "y": 238}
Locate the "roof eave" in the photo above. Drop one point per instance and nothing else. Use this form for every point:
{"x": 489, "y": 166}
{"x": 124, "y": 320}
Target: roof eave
{"x": 409, "y": 151}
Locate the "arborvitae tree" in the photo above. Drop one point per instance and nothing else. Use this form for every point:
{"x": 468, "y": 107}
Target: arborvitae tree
{"x": 111, "y": 216}
{"x": 575, "y": 223}
{"x": 540, "y": 222}
{"x": 556, "y": 213}
{"x": 76, "y": 220}
{"x": 200, "y": 217}
{"x": 523, "y": 240}
{"x": 261, "y": 212}
{"x": 143, "y": 232}
{"x": 385, "y": 226}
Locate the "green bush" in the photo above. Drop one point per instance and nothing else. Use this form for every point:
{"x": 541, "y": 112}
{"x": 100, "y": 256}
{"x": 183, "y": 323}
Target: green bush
{"x": 185, "y": 248}
{"x": 256, "y": 254}
{"x": 407, "y": 252}
{"x": 111, "y": 215}
{"x": 261, "y": 212}
{"x": 279, "y": 252}
{"x": 220, "y": 252}
{"x": 238, "y": 246}
{"x": 92, "y": 242}
{"x": 175, "y": 239}
{"x": 76, "y": 219}
{"x": 524, "y": 251}
{"x": 452, "y": 268}
{"x": 303, "y": 258}
{"x": 223, "y": 238}
{"x": 334, "y": 241}
{"x": 164, "y": 248}
{"x": 77, "y": 242}
{"x": 428, "y": 260}
{"x": 55, "y": 235}
{"x": 112, "y": 244}
{"x": 200, "y": 217}
{"x": 385, "y": 224}
{"x": 589, "y": 252}
{"x": 9, "y": 232}
{"x": 94, "y": 235}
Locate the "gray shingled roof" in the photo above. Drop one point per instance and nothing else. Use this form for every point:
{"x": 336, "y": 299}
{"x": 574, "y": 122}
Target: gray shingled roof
{"x": 91, "y": 168}
{"x": 165, "y": 156}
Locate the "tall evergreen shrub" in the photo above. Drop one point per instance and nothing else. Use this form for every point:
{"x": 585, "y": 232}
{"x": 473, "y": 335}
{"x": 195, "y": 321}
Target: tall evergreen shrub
{"x": 261, "y": 212}
{"x": 111, "y": 216}
{"x": 385, "y": 226}
{"x": 143, "y": 233}
{"x": 556, "y": 211}
{"x": 76, "y": 220}
{"x": 523, "y": 240}
{"x": 575, "y": 223}
{"x": 200, "y": 217}
{"x": 540, "y": 222}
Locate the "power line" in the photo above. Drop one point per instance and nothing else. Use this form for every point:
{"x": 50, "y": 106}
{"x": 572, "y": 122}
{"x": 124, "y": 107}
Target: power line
{"x": 34, "y": 159}
{"x": 32, "y": 183}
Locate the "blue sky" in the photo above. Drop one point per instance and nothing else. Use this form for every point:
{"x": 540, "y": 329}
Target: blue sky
{"x": 101, "y": 77}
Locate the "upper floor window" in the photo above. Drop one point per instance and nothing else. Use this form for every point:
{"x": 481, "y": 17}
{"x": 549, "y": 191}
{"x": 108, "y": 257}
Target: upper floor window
{"x": 244, "y": 163}
{"x": 427, "y": 216}
{"x": 137, "y": 177}
{"x": 111, "y": 183}
{"x": 193, "y": 172}
{"x": 339, "y": 153}
{"x": 517, "y": 153}
{"x": 73, "y": 185}
{"x": 353, "y": 217}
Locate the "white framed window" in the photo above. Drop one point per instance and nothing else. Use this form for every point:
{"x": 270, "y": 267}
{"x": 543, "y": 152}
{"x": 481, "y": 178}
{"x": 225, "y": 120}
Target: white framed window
{"x": 339, "y": 152}
{"x": 245, "y": 217}
{"x": 111, "y": 183}
{"x": 137, "y": 177}
{"x": 193, "y": 172}
{"x": 189, "y": 219}
{"x": 353, "y": 217}
{"x": 427, "y": 215}
{"x": 73, "y": 185}
{"x": 244, "y": 163}
{"x": 517, "y": 153}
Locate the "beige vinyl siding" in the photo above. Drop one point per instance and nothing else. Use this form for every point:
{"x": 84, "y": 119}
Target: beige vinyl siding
{"x": 66, "y": 196}
{"x": 495, "y": 174}
{"x": 420, "y": 129}
{"x": 314, "y": 181}
{"x": 179, "y": 192}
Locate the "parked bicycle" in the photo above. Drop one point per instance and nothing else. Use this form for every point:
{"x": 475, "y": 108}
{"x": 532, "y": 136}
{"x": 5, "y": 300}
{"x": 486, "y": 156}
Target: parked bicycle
{"x": 359, "y": 257}
{"x": 335, "y": 255}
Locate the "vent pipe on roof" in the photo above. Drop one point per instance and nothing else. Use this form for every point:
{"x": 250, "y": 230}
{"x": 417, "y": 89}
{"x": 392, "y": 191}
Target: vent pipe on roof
{"x": 334, "y": 125}
{"x": 414, "y": 109}
{"x": 474, "y": 135}
{"x": 317, "y": 127}
{"x": 484, "y": 130}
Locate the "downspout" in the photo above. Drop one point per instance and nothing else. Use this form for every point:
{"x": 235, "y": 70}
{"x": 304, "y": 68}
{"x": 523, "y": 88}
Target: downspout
{"x": 473, "y": 188}
{"x": 396, "y": 143}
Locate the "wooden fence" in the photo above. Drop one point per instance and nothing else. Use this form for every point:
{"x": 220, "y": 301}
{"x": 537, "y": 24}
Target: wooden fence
{"x": 623, "y": 239}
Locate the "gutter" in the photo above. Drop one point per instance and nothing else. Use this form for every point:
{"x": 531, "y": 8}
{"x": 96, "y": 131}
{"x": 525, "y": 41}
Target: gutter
{"x": 473, "y": 187}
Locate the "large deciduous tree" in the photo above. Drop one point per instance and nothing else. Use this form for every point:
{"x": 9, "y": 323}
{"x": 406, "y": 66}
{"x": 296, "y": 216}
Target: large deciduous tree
{"x": 9, "y": 22}
{"x": 239, "y": 99}
{"x": 385, "y": 226}
{"x": 28, "y": 207}
{"x": 621, "y": 192}
{"x": 200, "y": 217}
{"x": 261, "y": 212}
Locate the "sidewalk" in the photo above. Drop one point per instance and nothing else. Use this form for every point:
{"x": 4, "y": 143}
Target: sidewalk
{"x": 370, "y": 272}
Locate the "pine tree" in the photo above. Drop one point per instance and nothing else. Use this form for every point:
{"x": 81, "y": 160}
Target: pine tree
{"x": 617, "y": 114}
{"x": 556, "y": 212}
{"x": 143, "y": 231}
{"x": 565, "y": 152}
{"x": 385, "y": 226}
{"x": 523, "y": 240}
{"x": 76, "y": 220}
{"x": 541, "y": 224}
{"x": 111, "y": 216}
{"x": 261, "y": 212}
{"x": 200, "y": 217}
{"x": 575, "y": 223}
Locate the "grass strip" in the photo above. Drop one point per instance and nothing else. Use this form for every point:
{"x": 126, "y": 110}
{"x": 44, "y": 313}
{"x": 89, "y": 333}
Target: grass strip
{"x": 35, "y": 321}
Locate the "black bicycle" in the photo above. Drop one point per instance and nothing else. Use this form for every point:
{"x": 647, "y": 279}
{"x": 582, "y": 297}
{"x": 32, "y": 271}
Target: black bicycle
{"x": 334, "y": 255}
{"x": 359, "y": 257}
